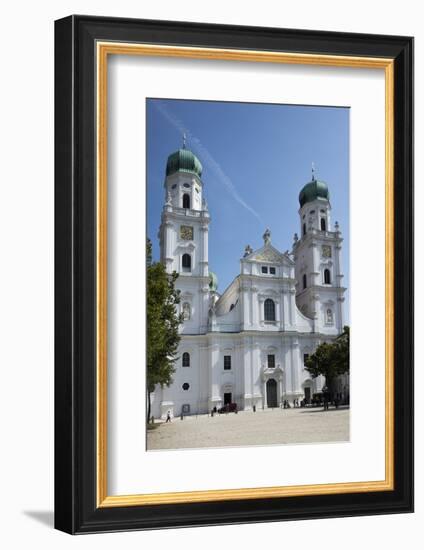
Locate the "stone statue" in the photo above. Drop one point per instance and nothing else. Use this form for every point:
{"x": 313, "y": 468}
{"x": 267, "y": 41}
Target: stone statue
{"x": 267, "y": 236}
{"x": 247, "y": 250}
{"x": 186, "y": 311}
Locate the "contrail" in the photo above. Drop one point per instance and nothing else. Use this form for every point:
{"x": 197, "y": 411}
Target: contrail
{"x": 206, "y": 157}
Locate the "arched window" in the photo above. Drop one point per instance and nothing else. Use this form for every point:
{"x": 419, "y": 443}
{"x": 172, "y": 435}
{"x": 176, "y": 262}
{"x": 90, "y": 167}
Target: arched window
{"x": 304, "y": 281}
{"x": 186, "y": 359}
{"x": 186, "y": 311}
{"x": 271, "y": 361}
{"x": 269, "y": 310}
{"x": 329, "y": 319}
{"x": 304, "y": 229}
{"x": 327, "y": 277}
{"x": 323, "y": 225}
{"x": 186, "y": 261}
{"x": 186, "y": 200}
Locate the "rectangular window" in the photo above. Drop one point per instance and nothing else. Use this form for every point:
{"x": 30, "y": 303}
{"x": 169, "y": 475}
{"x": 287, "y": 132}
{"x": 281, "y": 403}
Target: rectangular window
{"x": 227, "y": 362}
{"x": 271, "y": 361}
{"x": 264, "y": 269}
{"x": 272, "y": 270}
{"x": 305, "y": 357}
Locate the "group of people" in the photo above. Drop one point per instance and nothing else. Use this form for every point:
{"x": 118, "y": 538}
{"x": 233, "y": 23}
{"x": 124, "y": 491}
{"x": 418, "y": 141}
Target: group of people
{"x": 325, "y": 401}
{"x": 286, "y": 404}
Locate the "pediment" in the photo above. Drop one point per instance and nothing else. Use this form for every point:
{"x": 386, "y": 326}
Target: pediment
{"x": 269, "y": 254}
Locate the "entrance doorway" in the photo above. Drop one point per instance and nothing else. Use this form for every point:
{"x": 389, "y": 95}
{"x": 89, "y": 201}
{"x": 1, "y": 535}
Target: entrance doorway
{"x": 307, "y": 394}
{"x": 227, "y": 398}
{"x": 271, "y": 393}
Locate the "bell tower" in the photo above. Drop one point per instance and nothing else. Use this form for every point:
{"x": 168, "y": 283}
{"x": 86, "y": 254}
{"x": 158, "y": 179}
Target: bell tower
{"x": 317, "y": 256}
{"x": 183, "y": 236}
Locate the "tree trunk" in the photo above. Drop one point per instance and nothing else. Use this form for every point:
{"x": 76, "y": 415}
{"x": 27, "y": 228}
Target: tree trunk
{"x": 329, "y": 384}
{"x": 148, "y": 407}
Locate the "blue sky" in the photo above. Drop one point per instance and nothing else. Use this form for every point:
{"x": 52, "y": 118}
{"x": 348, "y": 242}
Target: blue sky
{"x": 256, "y": 158}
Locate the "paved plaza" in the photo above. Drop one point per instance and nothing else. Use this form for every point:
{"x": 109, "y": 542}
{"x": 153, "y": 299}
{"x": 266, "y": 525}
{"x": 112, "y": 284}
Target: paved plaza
{"x": 265, "y": 427}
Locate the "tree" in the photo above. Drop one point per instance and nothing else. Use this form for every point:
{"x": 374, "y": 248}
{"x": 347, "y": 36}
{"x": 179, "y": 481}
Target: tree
{"x": 342, "y": 351}
{"x": 162, "y": 325}
{"x": 330, "y": 360}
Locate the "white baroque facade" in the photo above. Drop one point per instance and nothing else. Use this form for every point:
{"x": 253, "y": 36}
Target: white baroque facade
{"x": 247, "y": 345}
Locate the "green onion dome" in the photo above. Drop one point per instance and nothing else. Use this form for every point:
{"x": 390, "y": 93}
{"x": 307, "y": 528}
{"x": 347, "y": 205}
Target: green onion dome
{"x": 313, "y": 190}
{"x": 183, "y": 160}
{"x": 213, "y": 281}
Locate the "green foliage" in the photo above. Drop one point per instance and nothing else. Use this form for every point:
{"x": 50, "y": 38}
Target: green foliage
{"x": 330, "y": 360}
{"x": 162, "y": 324}
{"x": 342, "y": 353}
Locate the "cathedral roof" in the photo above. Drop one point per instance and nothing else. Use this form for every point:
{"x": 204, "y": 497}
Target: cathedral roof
{"x": 213, "y": 281}
{"x": 183, "y": 160}
{"x": 313, "y": 190}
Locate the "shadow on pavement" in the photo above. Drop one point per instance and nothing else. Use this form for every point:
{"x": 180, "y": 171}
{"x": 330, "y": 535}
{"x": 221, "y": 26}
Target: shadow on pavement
{"x": 321, "y": 409}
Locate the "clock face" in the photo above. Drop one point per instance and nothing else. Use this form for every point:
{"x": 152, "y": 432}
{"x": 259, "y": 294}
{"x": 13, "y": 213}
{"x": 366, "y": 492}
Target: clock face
{"x": 326, "y": 251}
{"x": 186, "y": 232}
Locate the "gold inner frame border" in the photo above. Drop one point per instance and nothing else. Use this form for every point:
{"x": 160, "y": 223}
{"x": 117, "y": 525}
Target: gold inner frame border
{"x": 103, "y": 50}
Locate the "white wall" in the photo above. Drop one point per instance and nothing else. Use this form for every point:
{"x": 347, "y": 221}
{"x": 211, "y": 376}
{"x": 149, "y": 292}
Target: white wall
{"x": 26, "y": 277}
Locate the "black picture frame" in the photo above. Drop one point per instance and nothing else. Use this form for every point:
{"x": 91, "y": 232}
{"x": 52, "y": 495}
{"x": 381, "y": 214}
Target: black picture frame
{"x": 76, "y": 508}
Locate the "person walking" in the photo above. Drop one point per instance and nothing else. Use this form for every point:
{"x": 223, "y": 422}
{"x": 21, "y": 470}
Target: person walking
{"x": 168, "y": 416}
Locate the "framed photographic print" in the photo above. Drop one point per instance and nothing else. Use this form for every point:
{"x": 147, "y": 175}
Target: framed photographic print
{"x": 234, "y": 274}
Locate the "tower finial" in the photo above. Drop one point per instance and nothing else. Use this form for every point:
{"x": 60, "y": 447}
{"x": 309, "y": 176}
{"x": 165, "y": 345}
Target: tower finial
{"x": 313, "y": 171}
{"x": 184, "y": 140}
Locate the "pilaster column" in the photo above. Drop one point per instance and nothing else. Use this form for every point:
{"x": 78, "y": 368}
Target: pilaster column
{"x": 204, "y": 309}
{"x": 255, "y": 370}
{"x": 238, "y": 374}
{"x": 338, "y": 281}
{"x": 315, "y": 267}
{"x": 337, "y": 261}
{"x": 295, "y": 366}
{"x": 339, "y": 320}
{"x": 317, "y": 319}
{"x": 245, "y": 304}
{"x": 215, "y": 389}
{"x": 282, "y": 307}
{"x": 169, "y": 256}
{"x": 204, "y": 265}
{"x": 280, "y": 385}
{"x": 292, "y": 305}
{"x": 261, "y": 300}
{"x": 254, "y": 303}
{"x": 277, "y": 303}
{"x": 288, "y": 369}
{"x": 247, "y": 382}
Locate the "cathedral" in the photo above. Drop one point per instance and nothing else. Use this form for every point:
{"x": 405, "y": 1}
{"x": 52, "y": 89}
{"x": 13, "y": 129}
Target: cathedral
{"x": 247, "y": 346}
